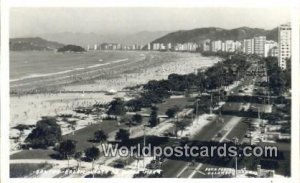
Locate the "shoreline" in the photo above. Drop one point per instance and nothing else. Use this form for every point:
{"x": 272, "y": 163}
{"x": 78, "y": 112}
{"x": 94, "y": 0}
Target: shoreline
{"x": 66, "y": 98}
{"x": 154, "y": 67}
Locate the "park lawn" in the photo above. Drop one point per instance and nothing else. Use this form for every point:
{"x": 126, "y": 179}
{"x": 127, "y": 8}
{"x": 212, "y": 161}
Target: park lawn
{"x": 231, "y": 106}
{"x": 171, "y": 102}
{"x": 24, "y": 169}
{"x": 33, "y": 154}
{"x": 83, "y": 135}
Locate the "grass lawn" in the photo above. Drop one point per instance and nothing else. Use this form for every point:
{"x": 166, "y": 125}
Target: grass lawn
{"x": 22, "y": 170}
{"x": 180, "y": 102}
{"x": 33, "y": 154}
{"x": 83, "y": 135}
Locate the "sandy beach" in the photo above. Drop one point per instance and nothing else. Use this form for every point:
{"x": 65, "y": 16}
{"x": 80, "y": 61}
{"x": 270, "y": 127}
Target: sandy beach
{"x": 28, "y": 109}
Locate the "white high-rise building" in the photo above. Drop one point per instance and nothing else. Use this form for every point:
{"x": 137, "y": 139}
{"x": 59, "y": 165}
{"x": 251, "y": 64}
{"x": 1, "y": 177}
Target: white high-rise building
{"x": 238, "y": 46}
{"x": 269, "y": 45}
{"x": 248, "y": 46}
{"x": 149, "y": 46}
{"x": 284, "y": 44}
{"x": 216, "y": 46}
{"x": 169, "y": 46}
{"x": 259, "y": 45}
{"x": 206, "y": 45}
{"x": 223, "y": 47}
{"x": 229, "y": 46}
{"x": 156, "y": 46}
{"x": 162, "y": 46}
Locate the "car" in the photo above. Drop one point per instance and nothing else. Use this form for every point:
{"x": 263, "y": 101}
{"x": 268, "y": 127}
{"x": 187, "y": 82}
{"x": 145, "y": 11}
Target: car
{"x": 119, "y": 164}
{"x": 209, "y": 118}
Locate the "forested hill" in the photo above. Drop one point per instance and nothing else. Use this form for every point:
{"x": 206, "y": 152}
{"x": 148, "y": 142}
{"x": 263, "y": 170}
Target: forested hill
{"x": 32, "y": 44}
{"x": 71, "y": 48}
{"x": 213, "y": 33}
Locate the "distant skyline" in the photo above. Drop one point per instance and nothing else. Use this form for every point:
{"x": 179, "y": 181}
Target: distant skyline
{"x": 38, "y": 21}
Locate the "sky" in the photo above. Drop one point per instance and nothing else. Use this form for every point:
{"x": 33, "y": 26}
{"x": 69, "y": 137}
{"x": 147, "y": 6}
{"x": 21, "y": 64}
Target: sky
{"x": 36, "y": 21}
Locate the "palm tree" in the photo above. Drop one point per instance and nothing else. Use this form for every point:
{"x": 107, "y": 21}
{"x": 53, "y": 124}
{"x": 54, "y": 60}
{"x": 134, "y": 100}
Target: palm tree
{"x": 92, "y": 153}
{"x": 78, "y": 156}
{"x": 122, "y": 135}
{"x": 72, "y": 125}
{"x": 100, "y": 136}
{"x": 67, "y": 148}
{"x": 182, "y": 125}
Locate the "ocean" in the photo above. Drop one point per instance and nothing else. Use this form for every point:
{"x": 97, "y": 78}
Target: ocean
{"x": 31, "y": 69}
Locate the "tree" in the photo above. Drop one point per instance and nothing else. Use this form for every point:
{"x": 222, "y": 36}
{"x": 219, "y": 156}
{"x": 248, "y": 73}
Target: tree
{"x": 122, "y": 135}
{"x": 117, "y": 107}
{"x": 134, "y": 104}
{"x": 92, "y": 153}
{"x": 171, "y": 112}
{"x": 67, "y": 148}
{"x": 181, "y": 125}
{"x": 72, "y": 126}
{"x": 100, "y": 136}
{"x": 71, "y": 48}
{"x": 47, "y": 133}
{"x": 137, "y": 118}
{"x": 153, "y": 120}
{"x": 78, "y": 156}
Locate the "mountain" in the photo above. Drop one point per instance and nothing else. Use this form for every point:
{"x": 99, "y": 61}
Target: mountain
{"x": 32, "y": 43}
{"x": 71, "y": 48}
{"x": 84, "y": 39}
{"x": 213, "y": 33}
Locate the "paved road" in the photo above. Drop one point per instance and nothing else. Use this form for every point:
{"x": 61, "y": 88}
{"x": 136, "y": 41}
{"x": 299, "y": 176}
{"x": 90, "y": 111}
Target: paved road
{"x": 182, "y": 169}
{"x": 176, "y": 168}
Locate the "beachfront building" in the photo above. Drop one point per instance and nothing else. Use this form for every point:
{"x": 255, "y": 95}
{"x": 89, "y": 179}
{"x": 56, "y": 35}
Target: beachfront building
{"x": 238, "y": 46}
{"x": 273, "y": 52}
{"x": 216, "y": 46}
{"x": 284, "y": 44}
{"x": 229, "y": 46}
{"x": 119, "y": 46}
{"x": 133, "y": 47}
{"x": 248, "y": 46}
{"x": 162, "y": 46}
{"x": 169, "y": 46}
{"x": 206, "y": 45}
{"x": 269, "y": 45}
{"x": 185, "y": 46}
{"x": 113, "y": 46}
{"x": 149, "y": 46}
{"x": 178, "y": 47}
{"x": 259, "y": 45}
{"x": 156, "y": 46}
{"x": 192, "y": 46}
{"x": 95, "y": 47}
{"x": 223, "y": 47}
